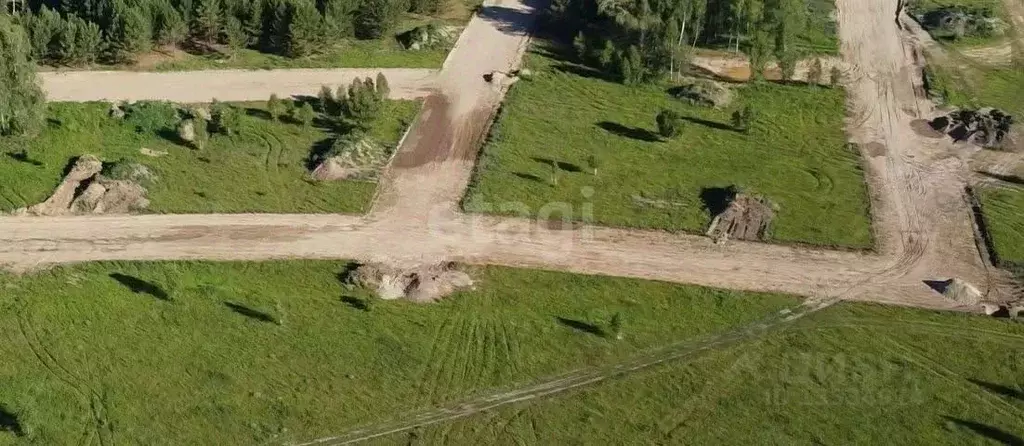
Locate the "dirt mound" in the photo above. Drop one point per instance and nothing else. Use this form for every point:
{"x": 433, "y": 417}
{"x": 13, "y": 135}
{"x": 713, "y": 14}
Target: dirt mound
{"x": 745, "y": 218}
{"x": 986, "y": 127}
{"x": 956, "y": 22}
{"x": 352, "y": 157}
{"x": 85, "y": 190}
{"x": 958, "y": 291}
{"x": 703, "y": 92}
{"x": 422, "y": 284}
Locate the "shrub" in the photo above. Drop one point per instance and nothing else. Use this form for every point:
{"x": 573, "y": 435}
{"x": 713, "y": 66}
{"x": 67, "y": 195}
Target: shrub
{"x": 744, "y": 118}
{"x": 275, "y": 107}
{"x": 670, "y": 123}
{"x": 375, "y": 18}
{"x": 305, "y": 114}
{"x": 363, "y": 103}
{"x": 326, "y": 99}
{"x": 835, "y": 77}
{"x": 151, "y": 116}
{"x": 383, "y": 89}
{"x": 187, "y": 131}
{"x": 226, "y": 118}
{"x": 128, "y": 170}
{"x": 815, "y": 74}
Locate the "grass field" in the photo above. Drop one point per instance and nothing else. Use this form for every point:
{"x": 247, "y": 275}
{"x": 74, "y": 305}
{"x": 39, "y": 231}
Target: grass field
{"x": 260, "y": 169}
{"x": 980, "y": 86}
{"x": 852, "y": 374}
{"x": 795, "y": 154}
{"x": 188, "y": 353}
{"x": 1004, "y": 216}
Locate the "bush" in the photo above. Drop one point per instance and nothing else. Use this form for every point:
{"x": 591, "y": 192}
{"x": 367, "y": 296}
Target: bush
{"x": 363, "y": 103}
{"x": 305, "y": 114}
{"x": 128, "y": 170}
{"x": 226, "y": 118}
{"x": 326, "y": 99}
{"x": 275, "y": 107}
{"x": 670, "y": 123}
{"x": 743, "y": 119}
{"x": 376, "y": 18}
{"x": 151, "y": 116}
{"x": 383, "y": 89}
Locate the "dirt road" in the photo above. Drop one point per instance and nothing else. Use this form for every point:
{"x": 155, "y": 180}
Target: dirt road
{"x": 922, "y": 218}
{"x": 225, "y": 85}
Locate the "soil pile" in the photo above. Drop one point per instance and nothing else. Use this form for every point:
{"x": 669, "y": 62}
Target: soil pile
{"x": 422, "y": 284}
{"x": 745, "y": 218}
{"x": 960, "y": 292}
{"x": 703, "y": 92}
{"x": 986, "y": 127}
{"x": 957, "y": 22}
{"x": 85, "y": 190}
{"x": 352, "y": 157}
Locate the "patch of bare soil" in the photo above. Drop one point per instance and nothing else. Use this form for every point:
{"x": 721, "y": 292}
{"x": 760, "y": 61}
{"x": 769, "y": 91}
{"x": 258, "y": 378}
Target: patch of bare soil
{"x": 746, "y": 218}
{"x": 422, "y": 284}
{"x": 737, "y": 68}
{"x": 923, "y": 128}
{"x": 875, "y": 149}
{"x": 85, "y": 191}
{"x": 164, "y": 54}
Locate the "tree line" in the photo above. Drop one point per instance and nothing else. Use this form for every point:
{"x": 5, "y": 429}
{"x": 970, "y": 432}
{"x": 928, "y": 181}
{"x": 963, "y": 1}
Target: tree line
{"x": 80, "y": 32}
{"x": 643, "y": 40}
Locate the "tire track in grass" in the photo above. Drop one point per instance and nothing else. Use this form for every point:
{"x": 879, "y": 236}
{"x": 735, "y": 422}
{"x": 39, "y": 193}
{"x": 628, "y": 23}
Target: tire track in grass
{"x": 954, "y": 379}
{"x": 97, "y": 408}
{"x": 579, "y": 378}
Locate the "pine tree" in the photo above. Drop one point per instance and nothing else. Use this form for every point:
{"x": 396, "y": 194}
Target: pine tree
{"x": 131, "y": 33}
{"x": 207, "y": 20}
{"x": 305, "y": 30}
{"x": 44, "y": 28}
{"x": 169, "y": 28}
{"x": 815, "y": 74}
{"x": 383, "y": 89}
{"x": 338, "y": 18}
{"x": 22, "y": 102}
{"x": 275, "y": 107}
{"x": 326, "y": 99}
{"x": 376, "y": 18}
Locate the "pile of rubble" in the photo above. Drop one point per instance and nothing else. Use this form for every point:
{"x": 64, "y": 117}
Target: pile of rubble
{"x": 745, "y": 218}
{"x": 356, "y": 156}
{"x": 986, "y": 127}
{"x": 422, "y": 284}
{"x": 703, "y": 92}
{"x": 85, "y": 190}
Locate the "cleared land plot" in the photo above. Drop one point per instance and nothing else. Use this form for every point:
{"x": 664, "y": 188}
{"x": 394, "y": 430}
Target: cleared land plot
{"x": 278, "y": 352}
{"x": 851, "y": 374}
{"x": 795, "y": 154}
{"x": 1004, "y": 216}
{"x": 262, "y": 168}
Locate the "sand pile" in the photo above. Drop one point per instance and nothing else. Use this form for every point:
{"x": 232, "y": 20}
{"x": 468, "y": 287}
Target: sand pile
{"x": 745, "y": 218}
{"x": 422, "y": 284}
{"x": 85, "y": 190}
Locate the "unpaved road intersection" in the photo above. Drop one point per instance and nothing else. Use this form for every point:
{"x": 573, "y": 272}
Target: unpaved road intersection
{"x": 922, "y": 219}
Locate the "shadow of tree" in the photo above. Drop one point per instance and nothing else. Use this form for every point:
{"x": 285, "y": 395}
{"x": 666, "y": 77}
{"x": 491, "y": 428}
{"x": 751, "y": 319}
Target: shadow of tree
{"x": 629, "y": 132}
{"x": 579, "y": 325}
{"x": 717, "y": 199}
{"x": 252, "y": 313}
{"x": 1000, "y": 389}
{"x": 528, "y": 176}
{"x": 22, "y": 157}
{"x": 139, "y": 286}
{"x": 562, "y": 165}
{"x": 355, "y": 302}
{"x": 990, "y": 432}
{"x": 710, "y": 124}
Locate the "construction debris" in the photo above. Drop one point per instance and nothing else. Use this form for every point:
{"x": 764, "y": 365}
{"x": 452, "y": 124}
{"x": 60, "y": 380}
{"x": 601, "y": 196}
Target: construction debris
{"x": 428, "y": 36}
{"x": 958, "y": 291}
{"x": 986, "y": 127}
{"x": 422, "y": 284}
{"x": 352, "y": 157}
{"x": 703, "y": 92}
{"x": 85, "y": 190}
{"x": 745, "y": 218}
